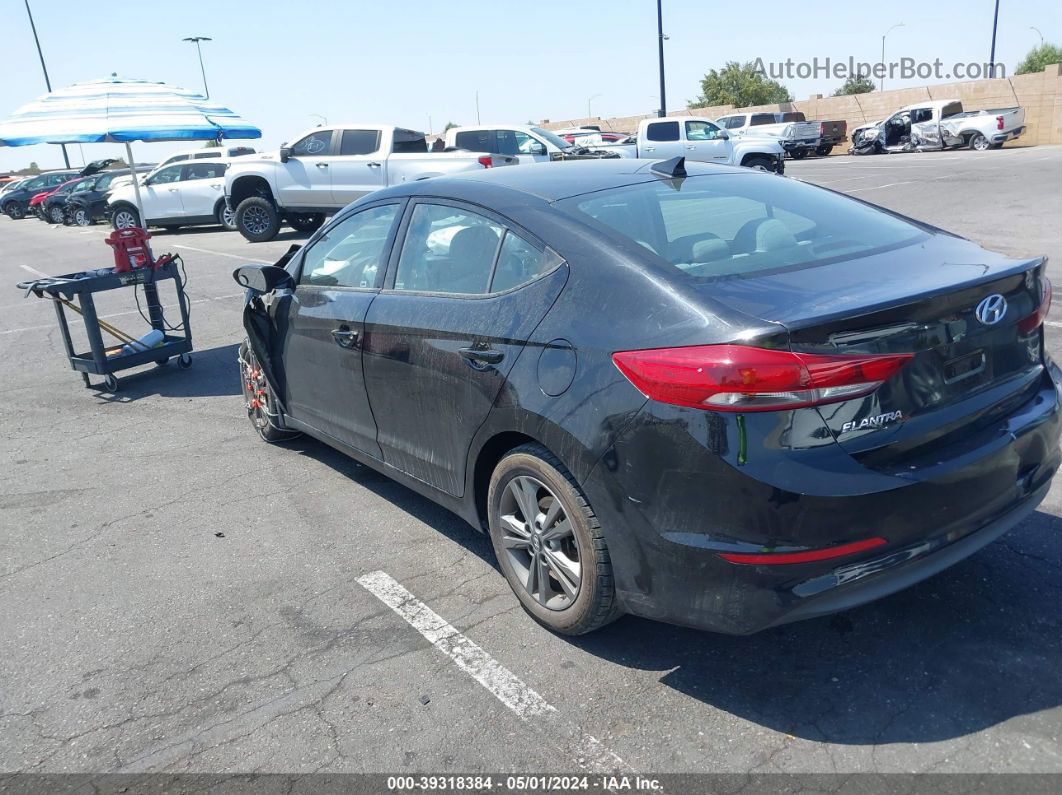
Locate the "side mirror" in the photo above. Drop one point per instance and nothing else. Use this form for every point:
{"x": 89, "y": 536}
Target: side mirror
{"x": 538, "y": 148}
{"x": 285, "y": 154}
{"x": 724, "y": 135}
{"x": 262, "y": 278}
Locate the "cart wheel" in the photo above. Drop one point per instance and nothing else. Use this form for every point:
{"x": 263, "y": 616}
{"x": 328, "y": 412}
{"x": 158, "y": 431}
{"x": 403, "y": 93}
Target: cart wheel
{"x": 184, "y": 361}
{"x": 111, "y": 382}
{"x": 162, "y": 362}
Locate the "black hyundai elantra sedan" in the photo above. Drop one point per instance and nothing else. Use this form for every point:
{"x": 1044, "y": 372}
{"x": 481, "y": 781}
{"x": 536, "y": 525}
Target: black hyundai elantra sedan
{"x": 701, "y": 394}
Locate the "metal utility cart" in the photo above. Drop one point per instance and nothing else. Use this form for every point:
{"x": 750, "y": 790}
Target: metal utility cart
{"x": 101, "y": 359}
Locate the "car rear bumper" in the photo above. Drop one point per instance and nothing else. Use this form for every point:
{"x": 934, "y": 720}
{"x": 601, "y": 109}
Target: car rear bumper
{"x": 1008, "y": 136}
{"x": 669, "y": 521}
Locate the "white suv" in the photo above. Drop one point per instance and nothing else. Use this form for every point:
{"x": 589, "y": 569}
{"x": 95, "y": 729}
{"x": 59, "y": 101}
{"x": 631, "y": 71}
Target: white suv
{"x": 182, "y": 194}
{"x": 207, "y": 153}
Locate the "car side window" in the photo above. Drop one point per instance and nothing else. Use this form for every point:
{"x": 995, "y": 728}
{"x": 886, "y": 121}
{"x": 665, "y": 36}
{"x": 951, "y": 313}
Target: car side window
{"x": 519, "y": 262}
{"x": 476, "y": 141}
{"x": 351, "y": 252}
{"x": 701, "y": 131}
{"x": 359, "y": 142}
{"x": 205, "y": 155}
{"x": 448, "y": 250}
{"x": 514, "y": 142}
{"x": 203, "y": 171}
{"x": 166, "y": 175}
{"x": 316, "y": 143}
{"x": 663, "y": 131}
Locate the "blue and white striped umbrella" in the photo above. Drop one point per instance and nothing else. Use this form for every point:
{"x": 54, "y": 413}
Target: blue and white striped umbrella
{"x": 121, "y": 110}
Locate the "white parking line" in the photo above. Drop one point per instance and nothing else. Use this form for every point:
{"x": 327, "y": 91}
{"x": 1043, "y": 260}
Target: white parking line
{"x": 218, "y": 253}
{"x": 477, "y": 663}
{"x": 1053, "y": 323}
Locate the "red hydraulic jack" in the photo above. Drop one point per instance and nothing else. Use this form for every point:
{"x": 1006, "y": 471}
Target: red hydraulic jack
{"x": 131, "y": 250}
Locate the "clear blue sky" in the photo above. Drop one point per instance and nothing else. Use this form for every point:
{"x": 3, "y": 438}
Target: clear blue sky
{"x": 401, "y": 62}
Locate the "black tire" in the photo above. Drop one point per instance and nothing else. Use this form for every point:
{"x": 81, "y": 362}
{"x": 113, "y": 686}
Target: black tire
{"x": 798, "y": 154}
{"x": 171, "y": 227}
{"x": 306, "y": 222}
{"x": 110, "y": 381}
{"x": 824, "y": 150}
{"x": 54, "y": 214}
{"x": 125, "y": 217}
{"x": 80, "y": 216}
{"x": 225, "y": 217}
{"x": 594, "y": 603}
{"x": 257, "y": 219}
{"x": 255, "y": 388}
{"x": 14, "y": 211}
{"x": 979, "y": 143}
{"x": 760, "y": 163}
{"x": 184, "y": 361}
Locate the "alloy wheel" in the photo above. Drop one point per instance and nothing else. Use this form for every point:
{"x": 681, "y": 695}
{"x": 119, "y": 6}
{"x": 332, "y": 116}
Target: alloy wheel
{"x": 57, "y": 215}
{"x": 256, "y": 220}
{"x": 228, "y": 218}
{"x": 81, "y": 217}
{"x": 124, "y": 219}
{"x": 540, "y": 542}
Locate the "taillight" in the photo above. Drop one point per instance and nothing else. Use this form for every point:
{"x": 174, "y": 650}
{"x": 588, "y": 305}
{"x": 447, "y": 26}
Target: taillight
{"x": 486, "y": 161}
{"x": 999, "y": 122}
{"x": 1029, "y": 323}
{"x": 742, "y": 378}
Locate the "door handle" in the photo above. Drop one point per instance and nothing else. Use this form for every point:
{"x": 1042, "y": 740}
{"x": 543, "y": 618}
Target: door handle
{"x": 345, "y": 337}
{"x": 481, "y": 355}
{"x": 690, "y": 146}
{"x": 321, "y": 165}
{"x": 650, "y": 149}
{"x": 373, "y": 165}
{"x": 173, "y": 190}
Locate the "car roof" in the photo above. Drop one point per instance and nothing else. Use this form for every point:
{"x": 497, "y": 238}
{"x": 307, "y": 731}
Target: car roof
{"x": 561, "y": 180}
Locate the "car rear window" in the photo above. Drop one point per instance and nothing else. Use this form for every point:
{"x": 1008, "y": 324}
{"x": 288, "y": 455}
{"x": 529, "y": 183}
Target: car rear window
{"x": 737, "y": 224}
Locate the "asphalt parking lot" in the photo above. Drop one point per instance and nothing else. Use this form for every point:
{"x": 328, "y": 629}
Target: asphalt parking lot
{"x": 178, "y": 596}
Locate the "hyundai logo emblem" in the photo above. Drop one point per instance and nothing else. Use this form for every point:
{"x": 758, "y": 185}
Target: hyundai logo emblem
{"x": 992, "y": 309}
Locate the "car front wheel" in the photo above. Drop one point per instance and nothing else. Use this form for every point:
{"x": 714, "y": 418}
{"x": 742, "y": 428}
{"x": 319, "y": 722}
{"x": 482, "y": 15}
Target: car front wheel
{"x": 257, "y": 219}
{"x": 258, "y": 400}
{"x": 55, "y": 214}
{"x": 81, "y": 217}
{"x": 549, "y": 543}
{"x": 125, "y": 218}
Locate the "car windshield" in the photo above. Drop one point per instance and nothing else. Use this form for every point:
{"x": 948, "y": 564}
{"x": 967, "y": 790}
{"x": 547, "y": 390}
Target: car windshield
{"x": 552, "y": 137}
{"x": 741, "y": 224}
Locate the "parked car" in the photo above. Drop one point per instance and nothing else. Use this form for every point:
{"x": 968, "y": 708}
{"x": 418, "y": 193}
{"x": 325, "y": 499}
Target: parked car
{"x": 794, "y": 132}
{"x": 86, "y": 205}
{"x": 941, "y": 124}
{"x": 329, "y": 167}
{"x": 51, "y": 206}
{"x": 695, "y": 138}
{"x": 694, "y": 393}
{"x": 182, "y": 194}
{"x": 208, "y": 153}
{"x": 12, "y": 184}
{"x": 590, "y": 136}
{"x": 15, "y": 202}
{"x": 525, "y": 142}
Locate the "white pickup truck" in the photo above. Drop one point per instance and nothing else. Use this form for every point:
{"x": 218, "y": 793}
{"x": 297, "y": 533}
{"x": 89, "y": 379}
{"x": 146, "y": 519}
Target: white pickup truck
{"x": 697, "y": 138}
{"x": 329, "y": 167}
{"x": 794, "y": 132}
{"x": 940, "y": 124}
{"x": 525, "y": 142}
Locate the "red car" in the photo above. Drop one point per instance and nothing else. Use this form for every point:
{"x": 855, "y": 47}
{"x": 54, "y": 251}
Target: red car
{"x": 36, "y": 204}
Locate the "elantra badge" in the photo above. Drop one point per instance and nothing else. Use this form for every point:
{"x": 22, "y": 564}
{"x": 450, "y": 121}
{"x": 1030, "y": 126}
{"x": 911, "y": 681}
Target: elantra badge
{"x": 992, "y": 309}
{"x": 872, "y": 422}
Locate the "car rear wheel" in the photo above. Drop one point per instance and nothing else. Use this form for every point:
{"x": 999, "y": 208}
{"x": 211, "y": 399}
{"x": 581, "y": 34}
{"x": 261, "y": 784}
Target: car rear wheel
{"x": 549, "y": 543}
{"x": 258, "y": 399}
{"x": 823, "y": 150}
{"x": 14, "y": 211}
{"x": 257, "y": 219}
{"x": 125, "y": 218}
{"x": 979, "y": 143}
{"x": 226, "y": 217}
{"x": 306, "y": 222}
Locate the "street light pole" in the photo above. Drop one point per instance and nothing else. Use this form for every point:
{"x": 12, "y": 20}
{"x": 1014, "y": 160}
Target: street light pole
{"x": 881, "y": 84}
{"x": 1038, "y": 33}
{"x": 660, "y": 50}
{"x": 196, "y": 40}
{"x": 47, "y": 82}
{"x": 992, "y": 57}
{"x": 588, "y": 101}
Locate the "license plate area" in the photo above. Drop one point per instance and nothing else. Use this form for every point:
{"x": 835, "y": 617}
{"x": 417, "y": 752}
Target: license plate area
{"x": 963, "y": 367}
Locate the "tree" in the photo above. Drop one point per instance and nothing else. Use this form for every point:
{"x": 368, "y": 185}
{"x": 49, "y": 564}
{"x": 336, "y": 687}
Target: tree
{"x": 855, "y": 84}
{"x": 211, "y": 144}
{"x": 1039, "y": 57}
{"x": 739, "y": 85}
{"x": 450, "y": 125}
